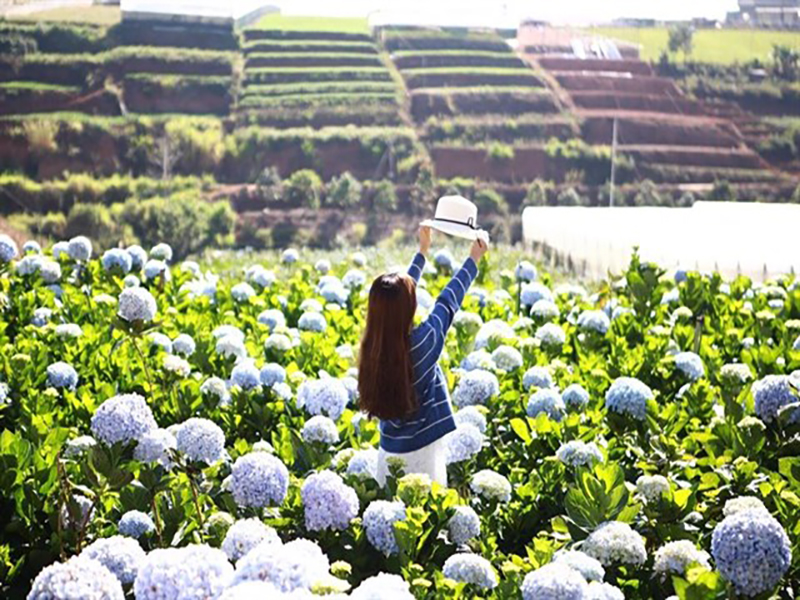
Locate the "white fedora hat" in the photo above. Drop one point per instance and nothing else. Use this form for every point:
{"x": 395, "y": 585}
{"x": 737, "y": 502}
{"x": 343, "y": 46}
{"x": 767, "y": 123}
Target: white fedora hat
{"x": 457, "y": 216}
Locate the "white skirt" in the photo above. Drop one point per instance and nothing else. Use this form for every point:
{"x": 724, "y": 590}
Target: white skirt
{"x": 430, "y": 459}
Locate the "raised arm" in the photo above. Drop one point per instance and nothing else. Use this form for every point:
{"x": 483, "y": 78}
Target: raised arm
{"x": 418, "y": 263}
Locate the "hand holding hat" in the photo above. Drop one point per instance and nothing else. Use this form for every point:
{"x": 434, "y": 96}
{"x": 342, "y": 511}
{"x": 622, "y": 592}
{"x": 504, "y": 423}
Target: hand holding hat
{"x": 456, "y": 216}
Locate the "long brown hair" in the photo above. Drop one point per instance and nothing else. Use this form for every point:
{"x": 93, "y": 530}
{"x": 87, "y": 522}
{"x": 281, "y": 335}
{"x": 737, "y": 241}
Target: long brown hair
{"x": 384, "y": 372}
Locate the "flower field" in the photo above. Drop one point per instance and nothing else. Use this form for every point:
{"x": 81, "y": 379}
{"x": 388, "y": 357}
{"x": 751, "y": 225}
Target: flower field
{"x": 172, "y": 433}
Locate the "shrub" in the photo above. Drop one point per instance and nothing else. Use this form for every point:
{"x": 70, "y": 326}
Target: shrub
{"x": 384, "y": 197}
{"x": 41, "y": 135}
{"x": 570, "y": 197}
{"x": 722, "y": 191}
{"x": 94, "y": 221}
{"x": 303, "y": 188}
{"x": 269, "y": 177}
{"x": 647, "y": 195}
{"x": 490, "y": 201}
{"x": 344, "y": 191}
{"x": 537, "y": 193}
{"x": 199, "y": 143}
{"x": 500, "y": 152}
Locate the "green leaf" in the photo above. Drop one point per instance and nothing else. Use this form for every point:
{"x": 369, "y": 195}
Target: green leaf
{"x": 520, "y": 427}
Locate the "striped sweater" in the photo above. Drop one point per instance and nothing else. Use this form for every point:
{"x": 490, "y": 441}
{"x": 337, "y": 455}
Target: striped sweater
{"x": 434, "y": 417}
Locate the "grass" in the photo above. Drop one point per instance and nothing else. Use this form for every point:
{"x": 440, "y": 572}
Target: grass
{"x": 319, "y": 88}
{"x": 328, "y": 24}
{"x": 317, "y": 100}
{"x": 309, "y": 46}
{"x": 95, "y": 15}
{"x": 725, "y": 46}
{"x": 38, "y": 86}
{"x": 309, "y": 74}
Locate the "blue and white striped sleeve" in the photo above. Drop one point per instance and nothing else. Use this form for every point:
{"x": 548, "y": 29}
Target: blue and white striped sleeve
{"x": 449, "y": 301}
{"x": 416, "y": 266}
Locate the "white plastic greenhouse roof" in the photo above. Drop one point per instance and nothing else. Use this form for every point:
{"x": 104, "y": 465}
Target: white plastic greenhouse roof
{"x": 754, "y": 239}
{"x": 213, "y": 12}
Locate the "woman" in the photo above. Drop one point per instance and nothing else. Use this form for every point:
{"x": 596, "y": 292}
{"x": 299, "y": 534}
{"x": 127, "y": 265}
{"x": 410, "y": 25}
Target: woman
{"x": 400, "y": 381}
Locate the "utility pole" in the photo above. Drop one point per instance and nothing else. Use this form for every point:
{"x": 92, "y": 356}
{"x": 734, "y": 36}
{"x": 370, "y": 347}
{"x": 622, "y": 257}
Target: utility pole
{"x": 613, "y": 163}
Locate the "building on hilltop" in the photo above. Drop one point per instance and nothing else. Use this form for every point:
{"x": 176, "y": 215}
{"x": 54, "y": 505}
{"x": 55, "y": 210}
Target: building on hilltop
{"x": 768, "y": 14}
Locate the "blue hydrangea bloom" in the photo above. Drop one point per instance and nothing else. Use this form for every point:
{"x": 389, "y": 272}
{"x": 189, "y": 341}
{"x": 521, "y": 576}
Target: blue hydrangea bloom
{"x": 136, "y": 524}
{"x": 525, "y": 271}
{"x": 491, "y": 485}
{"x": 554, "y": 581}
{"x": 751, "y": 550}
{"x": 444, "y": 259}
{"x": 354, "y": 278}
{"x": 62, "y": 376}
{"x": 475, "y": 387}
{"x": 329, "y": 503}
{"x": 548, "y": 401}
{"x": 382, "y": 586}
{"x": 290, "y": 256}
{"x": 50, "y": 271}
{"x": 41, "y": 316}
{"x": 137, "y": 304}
{"x": 80, "y": 248}
{"x": 551, "y": 334}
{"x": 242, "y": 292}
{"x": 120, "y": 555}
{"x": 272, "y": 373}
{"x": 323, "y": 396}
{"x": 246, "y": 376}
{"x": 473, "y": 416}
{"x": 351, "y": 385}
{"x": 322, "y": 266}
{"x": 154, "y": 269}
{"x": 472, "y": 569}
{"x": 196, "y": 571}
{"x": 272, "y": 318}
{"x": 259, "y": 479}
{"x": 463, "y": 443}
{"x": 79, "y": 577}
{"x": 579, "y": 454}
{"x": 480, "y": 359}
{"x": 184, "y": 345}
{"x": 293, "y": 566}
{"x": 138, "y": 257}
{"x": 545, "y": 310}
{"x": 575, "y": 397}
{"x": 539, "y": 377}
{"x": 201, "y": 440}
{"x": 334, "y": 292}
{"x": 29, "y": 265}
{"x": 493, "y": 332}
{"x": 216, "y": 387}
{"x": 615, "y": 542}
{"x": 691, "y": 365}
{"x": 364, "y": 464}
{"x": 117, "y": 261}
{"x": 246, "y": 534}
{"x": 772, "y": 393}
{"x": 161, "y": 251}
{"x": 31, "y": 247}
{"x": 8, "y": 249}
{"x": 320, "y": 429}
{"x": 424, "y": 298}
{"x": 599, "y": 590}
{"x": 464, "y": 525}
{"x": 590, "y": 568}
{"x": 629, "y": 396}
{"x": 123, "y": 418}
{"x": 231, "y": 346}
{"x": 379, "y": 519}
{"x": 312, "y": 321}
{"x": 156, "y": 445}
{"x": 161, "y": 341}
{"x": 594, "y": 320}
{"x": 507, "y": 358}
{"x": 533, "y": 292}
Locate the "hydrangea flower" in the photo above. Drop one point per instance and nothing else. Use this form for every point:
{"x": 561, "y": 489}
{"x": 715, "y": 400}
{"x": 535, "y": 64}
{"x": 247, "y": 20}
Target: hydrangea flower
{"x": 231, "y": 346}
{"x": 78, "y": 513}
{"x": 735, "y": 505}
{"x": 545, "y": 310}
{"x": 50, "y": 271}
{"x": 123, "y": 418}
{"x": 444, "y": 259}
{"x": 589, "y": 568}
{"x": 579, "y": 454}
{"x": 278, "y": 342}
{"x": 323, "y": 396}
{"x": 68, "y": 331}
{"x": 351, "y": 385}
{"x": 354, "y": 278}
{"x": 117, "y": 261}
{"x": 472, "y": 569}
{"x": 75, "y": 447}
{"x": 464, "y": 525}
{"x": 382, "y": 586}
{"x": 480, "y": 359}
{"x": 154, "y": 269}
{"x": 473, "y": 416}
{"x": 216, "y": 387}
{"x": 614, "y": 542}
{"x": 575, "y": 397}
{"x": 320, "y": 429}
{"x": 751, "y": 551}
{"x": 177, "y": 366}
{"x": 196, "y": 571}
{"x": 246, "y": 376}
{"x": 41, "y": 316}
{"x": 475, "y": 387}
{"x": 335, "y": 292}
{"x": 289, "y": 256}
{"x": 272, "y": 318}
{"x": 537, "y": 377}
{"x": 463, "y": 443}
{"x": 322, "y": 266}
{"x": 272, "y": 373}
{"x": 242, "y": 292}
{"x": 548, "y": 401}
{"x": 136, "y": 524}
{"x": 246, "y": 534}
{"x": 8, "y": 249}
{"x": 551, "y": 334}
{"x": 79, "y": 577}
{"x": 297, "y": 565}
{"x": 259, "y": 479}
{"x": 119, "y": 554}
{"x": 675, "y": 557}
{"x": 379, "y": 519}
{"x": 490, "y": 485}
{"x": 554, "y": 581}
{"x": 260, "y": 276}
{"x": 201, "y": 440}
{"x": 137, "y": 305}
{"x": 651, "y": 487}
{"x": 184, "y": 345}
{"x": 594, "y": 320}
{"x": 493, "y": 332}
{"x": 772, "y": 393}
{"x": 629, "y": 396}
{"x": 161, "y": 341}
{"x": 525, "y": 271}
{"x": 468, "y": 322}
{"x": 162, "y": 251}
{"x": 62, "y": 376}
{"x": 312, "y": 321}
{"x": 507, "y": 358}
{"x": 329, "y": 503}
{"x": 364, "y": 464}
{"x": 604, "y": 591}
{"x": 138, "y": 257}
{"x": 533, "y": 292}
{"x": 80, "y": 248}
{"x": 691, "y": 365}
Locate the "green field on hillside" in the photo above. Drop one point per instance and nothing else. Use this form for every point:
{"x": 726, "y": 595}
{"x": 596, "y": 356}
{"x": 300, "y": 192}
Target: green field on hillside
{"x": 96, "y": 15}
{"x": 712, "y": 46}
{"x": 292, "y": 23}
